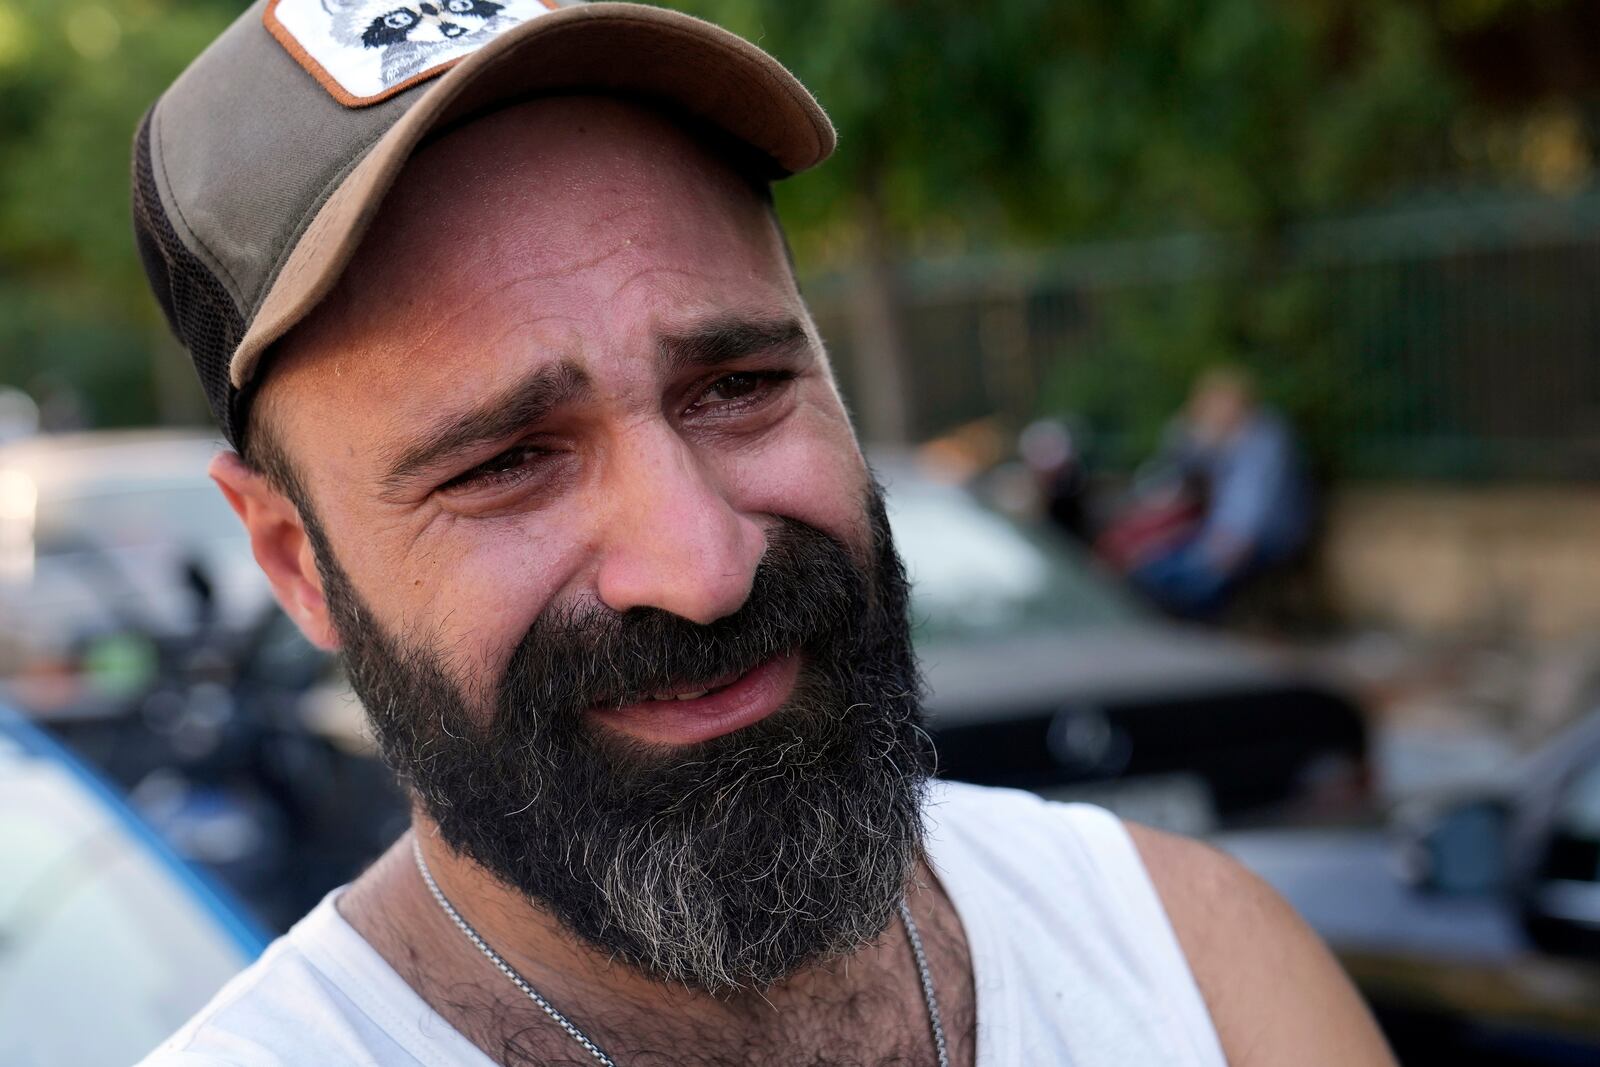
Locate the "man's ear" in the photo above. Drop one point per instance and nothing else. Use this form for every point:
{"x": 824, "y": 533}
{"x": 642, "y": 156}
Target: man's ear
{"x": 278, "y": 539}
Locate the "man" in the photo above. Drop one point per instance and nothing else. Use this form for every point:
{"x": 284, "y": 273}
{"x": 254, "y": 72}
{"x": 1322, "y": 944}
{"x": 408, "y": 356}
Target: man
{"x": 533, "y": 426}
{"x": 1257, "y": 512}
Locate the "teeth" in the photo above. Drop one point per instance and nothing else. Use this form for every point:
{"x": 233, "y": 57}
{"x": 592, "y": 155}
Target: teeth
{"x": 680, "y": 696}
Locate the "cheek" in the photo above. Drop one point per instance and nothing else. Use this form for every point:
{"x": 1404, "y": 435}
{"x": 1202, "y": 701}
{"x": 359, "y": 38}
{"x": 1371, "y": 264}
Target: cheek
{"x": 469, "y": 590}
{"x": 811, "y": 470}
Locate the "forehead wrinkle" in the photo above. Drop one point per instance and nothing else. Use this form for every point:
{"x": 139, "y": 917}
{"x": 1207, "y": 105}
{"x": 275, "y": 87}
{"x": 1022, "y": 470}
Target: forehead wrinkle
{"x": 681, "y": 279}
{"x": 481, "y": 296}
{"x": 629, "y": 206}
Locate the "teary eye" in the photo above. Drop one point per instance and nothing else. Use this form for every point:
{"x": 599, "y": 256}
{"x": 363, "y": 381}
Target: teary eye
{"x": 739, "y": 393}
{"x": 517, "y": 464}
{"x": 738, "y": 386}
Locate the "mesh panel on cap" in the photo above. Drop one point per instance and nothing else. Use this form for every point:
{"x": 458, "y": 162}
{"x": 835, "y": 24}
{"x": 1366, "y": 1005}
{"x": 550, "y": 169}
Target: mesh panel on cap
{"x": 198, "y": 308}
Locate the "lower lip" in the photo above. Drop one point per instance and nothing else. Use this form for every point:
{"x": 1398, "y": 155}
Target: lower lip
{"x": 749, "y": 699}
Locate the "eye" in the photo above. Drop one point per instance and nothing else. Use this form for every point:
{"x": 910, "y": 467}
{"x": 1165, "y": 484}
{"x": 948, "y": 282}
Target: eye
{"x": 459, "y": 7}
{"x": 399, "y": 20}
{"x": 507, "y": 468}
{"x": 740, "y": 391}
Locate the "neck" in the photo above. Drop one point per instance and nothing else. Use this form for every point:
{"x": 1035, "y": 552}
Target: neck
{"x": 619, "y": 1006}
{"x": 392, "y": 907}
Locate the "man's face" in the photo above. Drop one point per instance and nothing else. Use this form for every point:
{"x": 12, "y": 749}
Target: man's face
{"x": 605, "y": 561}
{"x": 1218, "y": 409}
{"x": 569, "y": 364}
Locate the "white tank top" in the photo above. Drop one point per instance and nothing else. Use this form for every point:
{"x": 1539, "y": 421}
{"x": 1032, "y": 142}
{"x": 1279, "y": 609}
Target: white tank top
{"x": 1074, "y": 961}
{"x": 1073, "y": 958}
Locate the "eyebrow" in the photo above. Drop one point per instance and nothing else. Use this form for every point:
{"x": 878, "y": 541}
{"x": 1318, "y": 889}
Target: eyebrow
{"x": 710, "y": 344}
{"x": 725, "y": 339}
{"x": 523, "y": 404}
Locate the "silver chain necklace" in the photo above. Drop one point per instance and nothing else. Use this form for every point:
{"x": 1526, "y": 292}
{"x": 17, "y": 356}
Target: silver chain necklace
{"x": 935, "y": 1021}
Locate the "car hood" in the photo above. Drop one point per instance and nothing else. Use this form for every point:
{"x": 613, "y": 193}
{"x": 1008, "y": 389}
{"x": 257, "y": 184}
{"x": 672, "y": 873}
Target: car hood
{"x": 996, "y": 679}
{"x": 1345, "y": 883}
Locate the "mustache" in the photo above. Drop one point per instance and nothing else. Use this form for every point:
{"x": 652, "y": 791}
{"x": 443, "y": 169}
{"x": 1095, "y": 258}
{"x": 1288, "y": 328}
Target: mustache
{"x": 807, "y": 588}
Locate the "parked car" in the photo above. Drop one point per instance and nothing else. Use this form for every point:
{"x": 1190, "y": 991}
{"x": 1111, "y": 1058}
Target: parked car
{"x": 219, "y": 752}
{"x": 108, "y": 941}
{"x": 136, "y": 624}
{"x": 108, "y": 533}
{"x": 1471, "y": 919}
{"x": 1045, "y": 674}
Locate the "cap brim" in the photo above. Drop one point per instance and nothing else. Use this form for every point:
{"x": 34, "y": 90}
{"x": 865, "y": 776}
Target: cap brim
{"x": 605, "y": 47}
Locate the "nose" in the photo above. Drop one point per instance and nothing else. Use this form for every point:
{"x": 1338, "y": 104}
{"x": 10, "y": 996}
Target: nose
{"x": 671, "y": 538}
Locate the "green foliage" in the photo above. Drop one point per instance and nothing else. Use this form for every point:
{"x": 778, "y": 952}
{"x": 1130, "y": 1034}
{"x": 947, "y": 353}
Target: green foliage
{"x": 963, "y": 127}
{"x": 74, "y": 79}
{"x": 1040, "y": 122}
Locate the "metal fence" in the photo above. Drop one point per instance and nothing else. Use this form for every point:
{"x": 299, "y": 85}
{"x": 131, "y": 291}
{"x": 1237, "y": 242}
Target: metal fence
{"x": 1458, "y": 341}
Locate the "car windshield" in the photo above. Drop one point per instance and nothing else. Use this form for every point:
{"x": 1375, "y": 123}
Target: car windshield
{"x": 133, "y": 515}
{"x": 977, "y": 573}
{"x": 93, "y": 926}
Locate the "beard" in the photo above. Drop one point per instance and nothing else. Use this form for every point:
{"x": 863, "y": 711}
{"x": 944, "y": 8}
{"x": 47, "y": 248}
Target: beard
{"x": 722, "y": 865}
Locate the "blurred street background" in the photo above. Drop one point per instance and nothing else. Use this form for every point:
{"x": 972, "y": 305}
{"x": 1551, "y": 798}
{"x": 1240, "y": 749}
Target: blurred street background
{"x": 1234, "y": 370}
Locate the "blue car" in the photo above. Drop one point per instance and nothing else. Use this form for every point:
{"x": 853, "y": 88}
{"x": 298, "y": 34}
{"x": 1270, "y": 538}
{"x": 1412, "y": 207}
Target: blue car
{"x": 108, "y": 941}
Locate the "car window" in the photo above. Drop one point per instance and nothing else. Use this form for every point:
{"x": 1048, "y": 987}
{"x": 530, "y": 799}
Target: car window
{"x": 131, "y": 515}
{"x": 976, "y": 572}
{"x": 1579, "y": 812}
{"x": 93, "y": 927}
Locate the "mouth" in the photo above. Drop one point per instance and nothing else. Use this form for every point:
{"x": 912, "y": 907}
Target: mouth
{"x": 699, "y": 711}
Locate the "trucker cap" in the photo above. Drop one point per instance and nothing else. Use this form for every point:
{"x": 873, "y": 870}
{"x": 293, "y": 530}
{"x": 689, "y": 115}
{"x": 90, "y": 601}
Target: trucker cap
{"x": 258, "y": 171}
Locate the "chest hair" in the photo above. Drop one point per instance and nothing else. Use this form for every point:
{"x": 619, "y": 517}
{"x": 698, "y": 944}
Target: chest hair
{"x": 864, "y": 1020}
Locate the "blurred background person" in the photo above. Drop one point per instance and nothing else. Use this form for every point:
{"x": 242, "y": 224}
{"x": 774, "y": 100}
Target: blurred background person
{"x": 1054, "y": 457}
{"x": 1228, "y": 499}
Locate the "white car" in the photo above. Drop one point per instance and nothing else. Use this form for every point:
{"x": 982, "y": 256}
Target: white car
{"x": 112, "y": 532}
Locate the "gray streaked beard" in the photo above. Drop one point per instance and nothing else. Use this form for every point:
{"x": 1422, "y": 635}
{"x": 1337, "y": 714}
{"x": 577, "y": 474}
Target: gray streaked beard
{"x": 723, "y": 865}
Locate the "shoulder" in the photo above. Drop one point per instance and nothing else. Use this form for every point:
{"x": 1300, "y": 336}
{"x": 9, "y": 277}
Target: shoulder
{"x": 963, "y": 802}
{"x": 292, "y": 1006}
{"x": 221, "y": 1034}
{"x": 1012, "y": 827}
{"x": 244, "y": 1024}
{"x": 1274, "y": 991}
{"x": 1071, "y": 870}
{"x": 166, "y": 1057}
{"x": 1270, "y": 429}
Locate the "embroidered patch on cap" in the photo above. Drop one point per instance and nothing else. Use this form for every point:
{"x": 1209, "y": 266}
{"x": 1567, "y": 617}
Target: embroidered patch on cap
{"x": 364, "y": 51}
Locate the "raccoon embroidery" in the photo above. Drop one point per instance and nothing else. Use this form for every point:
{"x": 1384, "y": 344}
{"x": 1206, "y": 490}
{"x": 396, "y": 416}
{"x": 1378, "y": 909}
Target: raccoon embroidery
{"x": 409, "y": 35}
